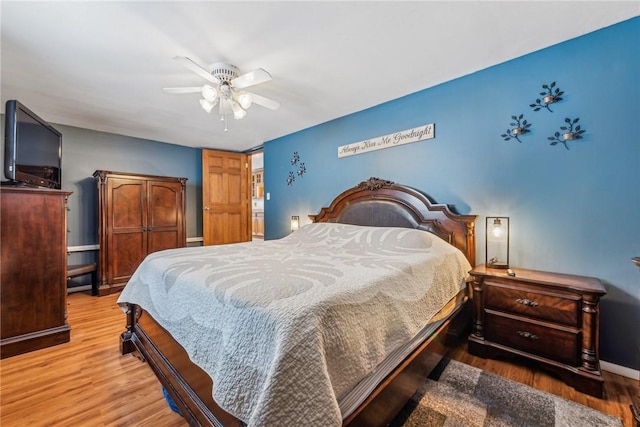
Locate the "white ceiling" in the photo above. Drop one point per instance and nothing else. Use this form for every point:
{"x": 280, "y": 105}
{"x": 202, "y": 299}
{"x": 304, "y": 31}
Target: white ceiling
{"x": 102, "y": 65}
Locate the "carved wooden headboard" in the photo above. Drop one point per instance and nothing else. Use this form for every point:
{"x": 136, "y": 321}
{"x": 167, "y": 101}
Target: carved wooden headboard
{"x": 381, "y": 203}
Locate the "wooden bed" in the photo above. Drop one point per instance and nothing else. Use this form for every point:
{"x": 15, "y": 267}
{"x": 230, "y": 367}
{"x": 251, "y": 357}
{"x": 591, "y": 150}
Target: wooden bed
{"x": 373, "y": 202}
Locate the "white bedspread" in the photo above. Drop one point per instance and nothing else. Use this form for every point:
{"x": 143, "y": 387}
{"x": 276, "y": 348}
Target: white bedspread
{"x": 285, "y": 327}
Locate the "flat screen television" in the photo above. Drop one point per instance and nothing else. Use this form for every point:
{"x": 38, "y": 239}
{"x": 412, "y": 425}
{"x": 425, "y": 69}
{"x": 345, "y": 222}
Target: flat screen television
{"x": 32, "y": 149}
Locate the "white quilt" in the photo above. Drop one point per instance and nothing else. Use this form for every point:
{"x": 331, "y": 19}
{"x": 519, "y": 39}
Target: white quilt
{"x": 286, "y": 327}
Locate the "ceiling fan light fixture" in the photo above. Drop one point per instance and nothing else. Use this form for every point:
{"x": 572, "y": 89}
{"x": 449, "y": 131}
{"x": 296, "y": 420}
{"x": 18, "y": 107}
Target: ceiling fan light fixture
{"x": 206, "y": 105}
{"x": 244, "y": 99}
{"x": 226, "y": 89}
{"x": 209, "y": 93}
{"x": 238, "y": 112}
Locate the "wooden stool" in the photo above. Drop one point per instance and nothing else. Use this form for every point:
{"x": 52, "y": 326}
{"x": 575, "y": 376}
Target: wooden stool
{"x": 82, "y": 269}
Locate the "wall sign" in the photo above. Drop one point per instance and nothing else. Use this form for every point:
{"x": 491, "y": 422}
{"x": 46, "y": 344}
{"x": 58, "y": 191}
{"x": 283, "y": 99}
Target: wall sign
{"x": 393, "y": 139}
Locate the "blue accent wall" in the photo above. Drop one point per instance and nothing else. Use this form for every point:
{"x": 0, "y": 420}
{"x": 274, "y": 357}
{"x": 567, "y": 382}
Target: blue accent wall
{"x": 573, "y": 211}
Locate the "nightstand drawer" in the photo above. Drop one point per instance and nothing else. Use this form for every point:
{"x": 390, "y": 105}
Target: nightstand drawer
{"x": 514, "y": 298}
{"x": 557, "y": 344}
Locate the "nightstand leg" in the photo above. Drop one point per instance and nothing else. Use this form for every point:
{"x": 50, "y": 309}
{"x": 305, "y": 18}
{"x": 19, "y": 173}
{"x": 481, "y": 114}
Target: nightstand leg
{"x": 478, "y": 312}
{"x": 590, "y": 330}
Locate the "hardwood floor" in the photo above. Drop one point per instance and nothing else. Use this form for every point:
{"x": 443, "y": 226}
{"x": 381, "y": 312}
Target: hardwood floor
{"x": 86, "y": 382}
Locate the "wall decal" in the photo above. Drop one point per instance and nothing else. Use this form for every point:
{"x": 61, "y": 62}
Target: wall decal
{"x": 568, "y": 133}
{"x": 393, "y": 139}
{"x": 549, "y": 96}
{"x": 302, "y": 169}
{"x": 519, "y": 127}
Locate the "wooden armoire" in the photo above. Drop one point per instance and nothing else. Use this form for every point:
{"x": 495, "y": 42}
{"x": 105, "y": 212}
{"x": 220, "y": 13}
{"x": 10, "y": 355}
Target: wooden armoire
{"x": 34, "y": 269}
{"x": 138, "y": 215}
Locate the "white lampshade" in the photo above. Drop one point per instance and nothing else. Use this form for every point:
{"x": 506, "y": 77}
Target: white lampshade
{"x": 245, "y": 100}
{"x": 209, "y": 93}
{"x": 206, "y": 105}
{"x": 238, "y": 112}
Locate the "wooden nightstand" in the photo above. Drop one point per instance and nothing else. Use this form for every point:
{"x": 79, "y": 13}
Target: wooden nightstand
{"x": 635, "y": 407}
{"x": 550, "y": 318}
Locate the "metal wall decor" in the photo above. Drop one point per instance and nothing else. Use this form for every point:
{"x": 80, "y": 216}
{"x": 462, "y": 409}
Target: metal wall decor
{"x": 302, "y": 169}
{"x": 551, "y": 95}
{"x": 567, "y": 133}
{"x": 295, "y": 158}
{"x": 519, "y": 127}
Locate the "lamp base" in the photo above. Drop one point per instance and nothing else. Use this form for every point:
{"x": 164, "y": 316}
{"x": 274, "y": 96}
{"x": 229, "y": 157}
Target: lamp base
{"x": 502, "y": 265}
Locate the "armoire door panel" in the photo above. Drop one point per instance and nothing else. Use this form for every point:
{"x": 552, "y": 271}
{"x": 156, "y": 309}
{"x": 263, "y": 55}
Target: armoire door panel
{"x": 127, "y": 252}
{"x": 161, "y": 240}
{"x": 139, "y": 214}
{"x": 129, "y": 197}
{"x": 165, "y": 205}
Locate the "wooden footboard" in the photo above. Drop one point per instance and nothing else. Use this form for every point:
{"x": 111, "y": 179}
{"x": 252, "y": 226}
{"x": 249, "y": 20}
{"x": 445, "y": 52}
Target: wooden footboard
{"x": 191, "y": 388}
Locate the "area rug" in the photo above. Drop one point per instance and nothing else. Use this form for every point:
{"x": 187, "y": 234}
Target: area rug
{"x": 460, "y": 395}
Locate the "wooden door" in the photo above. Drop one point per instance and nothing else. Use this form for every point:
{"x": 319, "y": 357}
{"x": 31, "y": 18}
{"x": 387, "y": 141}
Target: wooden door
{"x": 226, "y": 197}
{"x": 165, "y": 215}
{"x": 127, "y": 219}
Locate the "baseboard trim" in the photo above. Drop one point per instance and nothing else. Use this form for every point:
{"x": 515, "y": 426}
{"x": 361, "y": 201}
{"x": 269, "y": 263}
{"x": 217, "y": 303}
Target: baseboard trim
{"x": 619, "y": 370}
{"x": 82, "y": 248}
{"x": 81, "y": 288}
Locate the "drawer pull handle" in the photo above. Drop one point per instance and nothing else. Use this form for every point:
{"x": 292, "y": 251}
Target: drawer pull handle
{"x": 528, "y": 335}
{"x": 526, "y": 301}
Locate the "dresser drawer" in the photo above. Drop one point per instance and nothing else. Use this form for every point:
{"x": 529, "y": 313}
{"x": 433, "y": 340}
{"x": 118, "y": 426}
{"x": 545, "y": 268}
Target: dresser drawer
{"x": 560, "y": 344}
{"x": 558, "y": 308}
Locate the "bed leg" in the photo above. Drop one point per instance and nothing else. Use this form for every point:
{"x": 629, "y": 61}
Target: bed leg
{"x": 126, "y": 338}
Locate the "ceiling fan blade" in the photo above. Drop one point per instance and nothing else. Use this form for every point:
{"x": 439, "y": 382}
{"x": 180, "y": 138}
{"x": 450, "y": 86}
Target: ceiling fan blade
{"x": 193, "y": 89}
{"x": 265, "y": 102}
{"x": 196, "y": 68}
{"x": 251, "y": 78}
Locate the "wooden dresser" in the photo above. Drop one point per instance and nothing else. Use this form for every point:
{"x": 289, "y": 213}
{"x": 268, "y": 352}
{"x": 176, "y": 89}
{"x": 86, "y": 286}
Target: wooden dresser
{"x": 547, "y": 317}
{"x": 139, "y": 214}
{"x": 34, "y": 269}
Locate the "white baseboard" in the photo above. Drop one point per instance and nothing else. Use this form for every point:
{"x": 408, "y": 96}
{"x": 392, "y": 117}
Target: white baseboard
{"x": 84, "y": 248}
{"x": 78, "y": 289}
{"x": 620, "y": 370}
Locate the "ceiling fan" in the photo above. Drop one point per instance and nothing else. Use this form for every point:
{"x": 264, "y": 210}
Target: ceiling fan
{"x": 227, "y": 88}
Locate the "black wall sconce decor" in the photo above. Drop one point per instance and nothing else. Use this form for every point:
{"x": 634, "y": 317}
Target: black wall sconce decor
{"x": 302, "y": 169}
{"x": 295, "y": 158}
{"x": 519, "y": 127}
{"x": 291, "y": 178}
{"x": 551, "y": 95}
{"x": 567, "y": 133}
